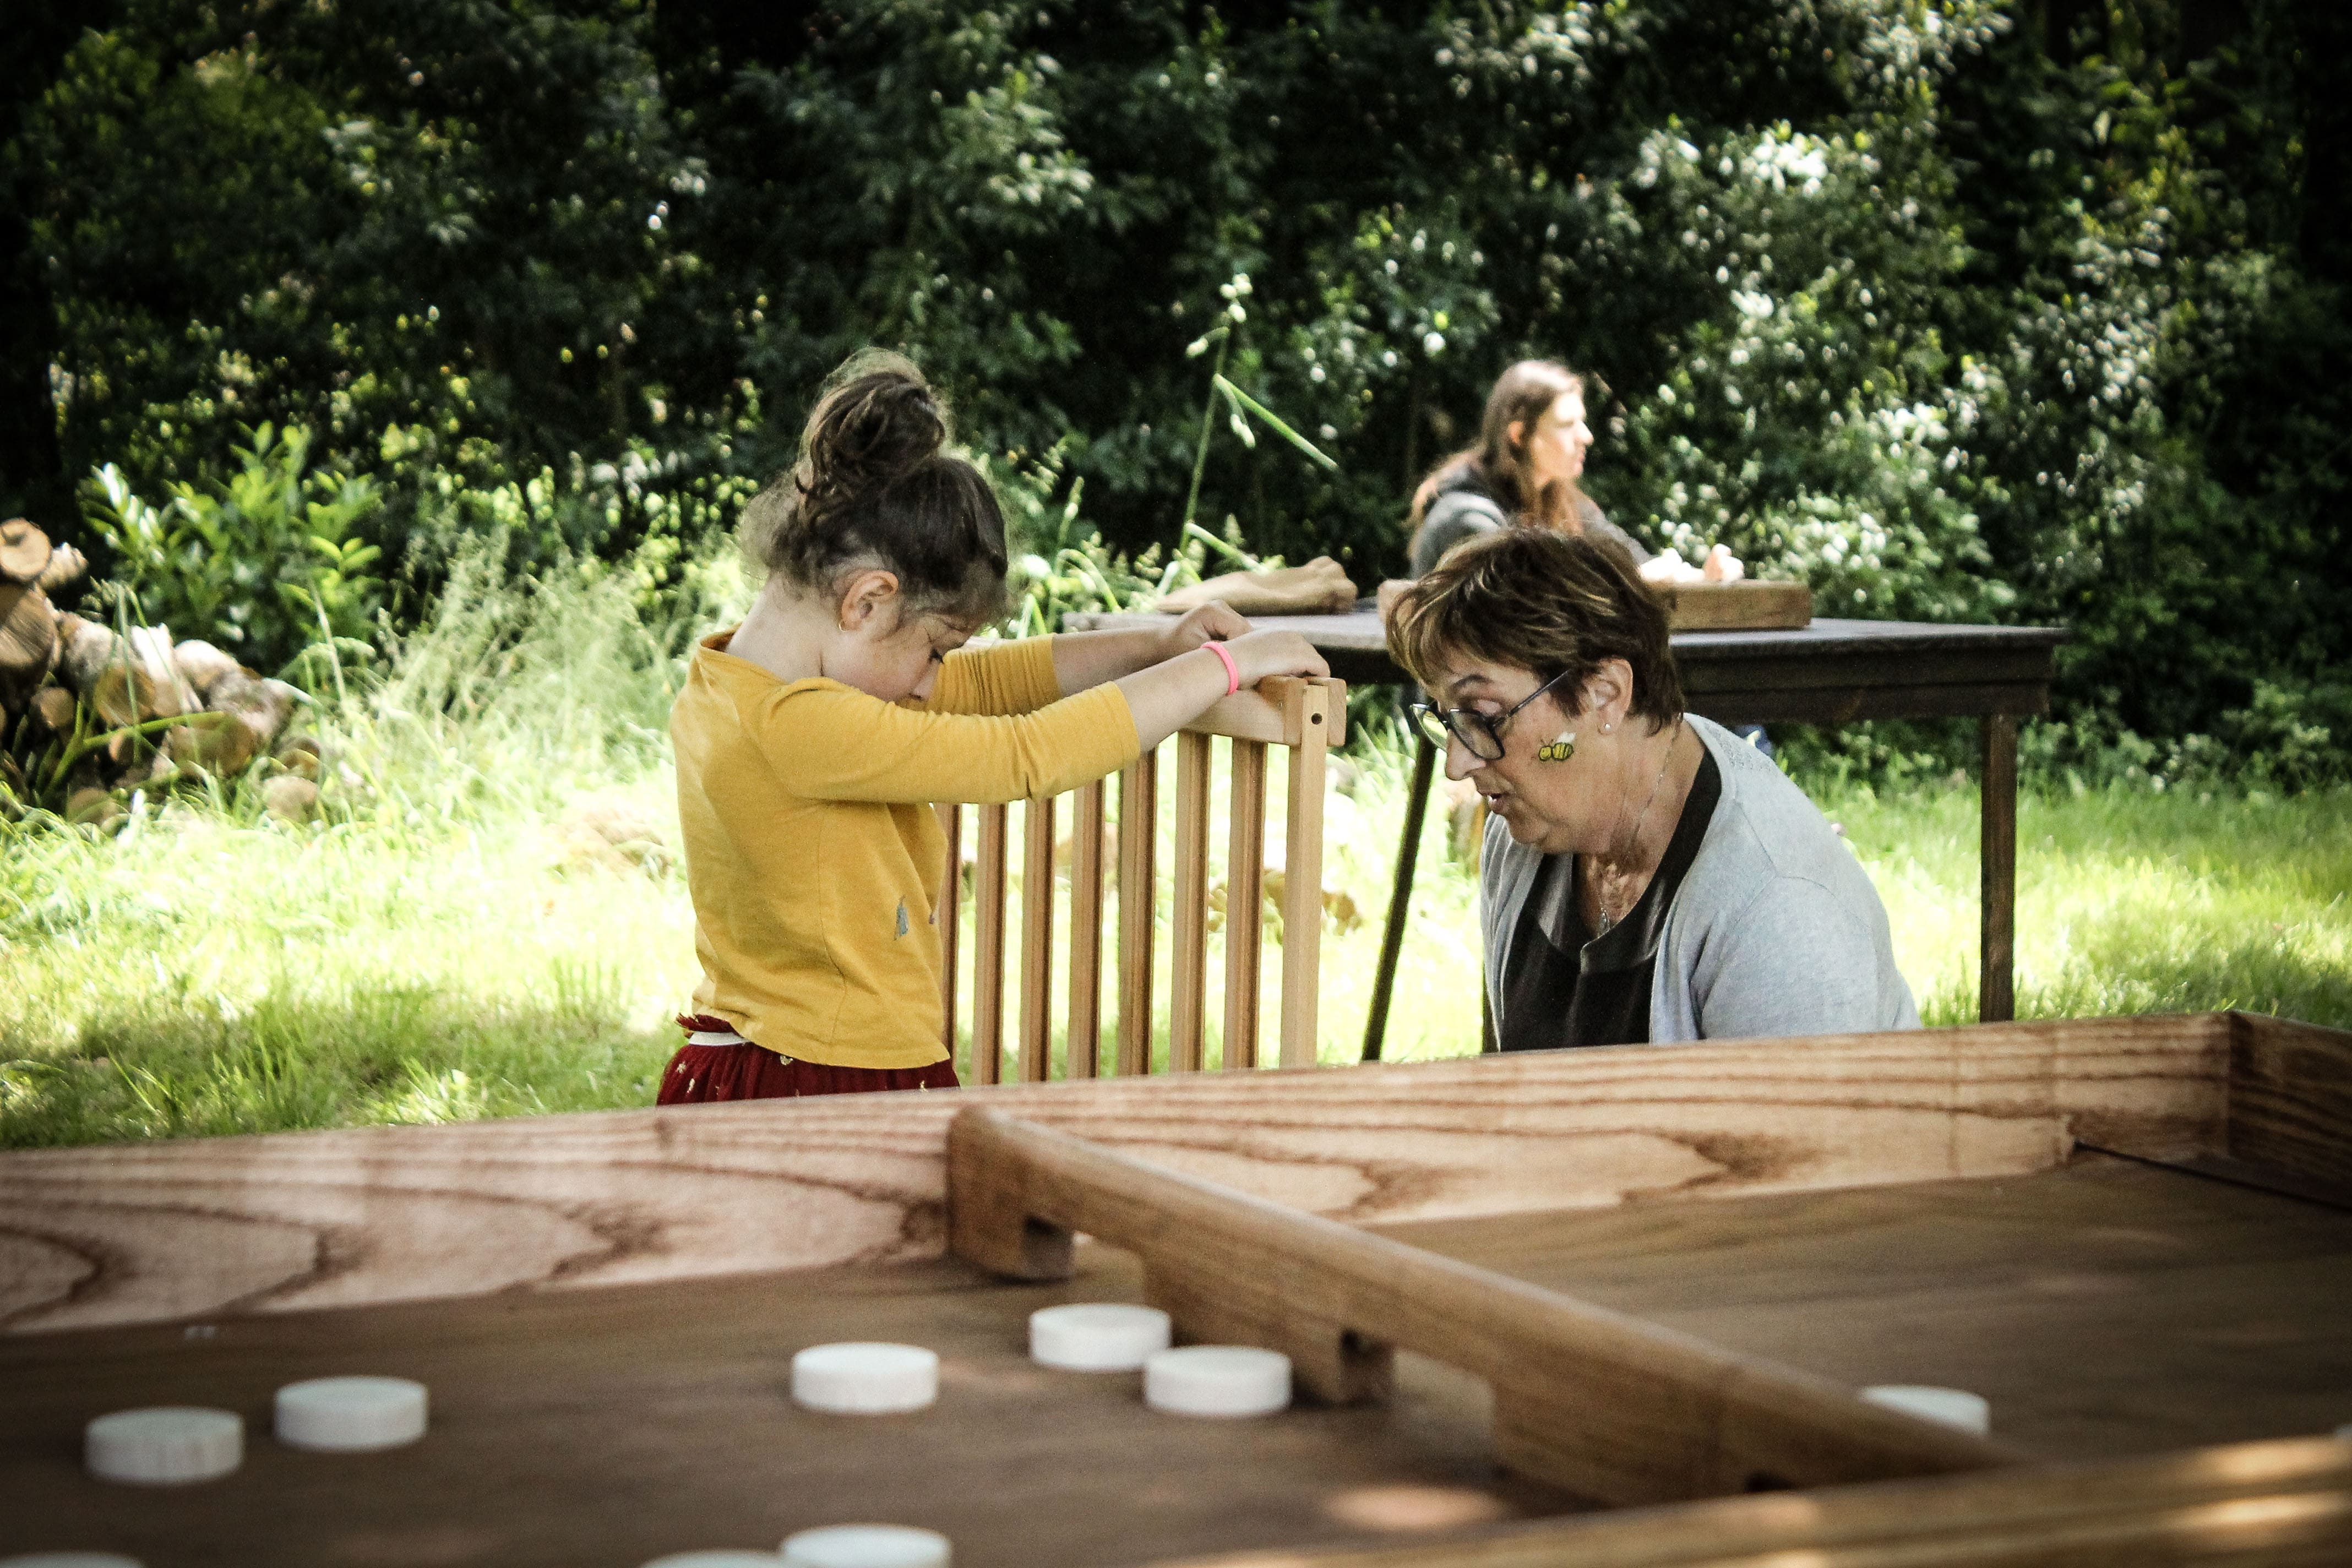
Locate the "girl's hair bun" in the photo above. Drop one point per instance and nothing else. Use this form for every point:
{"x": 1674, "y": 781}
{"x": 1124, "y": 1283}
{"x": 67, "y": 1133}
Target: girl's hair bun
{"x": 874, "y": 486}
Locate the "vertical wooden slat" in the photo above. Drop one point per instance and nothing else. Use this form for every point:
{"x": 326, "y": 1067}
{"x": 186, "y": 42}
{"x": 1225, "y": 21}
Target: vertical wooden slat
{"x": 1188, "y": 966}
{"x": 1244, "y": 902}
{"x": 1138, "y": 827}
{"x": 1036, "y": 940}
{"x": 947, "y": 915}
{"x": 1086, "y": 932}
{"x": 988, "y": 951}
{"x": 1302, "y": 878}
{"x": 1996, "y": 974}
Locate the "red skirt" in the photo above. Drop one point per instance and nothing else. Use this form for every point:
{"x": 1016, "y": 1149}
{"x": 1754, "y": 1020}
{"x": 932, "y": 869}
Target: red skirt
{"x": 699, "y": 1075}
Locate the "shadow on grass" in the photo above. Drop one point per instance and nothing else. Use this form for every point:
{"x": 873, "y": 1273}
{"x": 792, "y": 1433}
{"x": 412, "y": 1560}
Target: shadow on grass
{"x": 399, "y": 1053}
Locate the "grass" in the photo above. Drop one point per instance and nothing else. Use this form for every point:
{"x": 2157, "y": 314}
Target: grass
{"x": 454, "y": 942}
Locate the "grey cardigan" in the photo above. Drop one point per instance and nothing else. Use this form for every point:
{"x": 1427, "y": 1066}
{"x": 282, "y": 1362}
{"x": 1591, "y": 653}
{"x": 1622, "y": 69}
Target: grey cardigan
{"x": 1776, "y": 929}
{"x": 1465, "y": 512}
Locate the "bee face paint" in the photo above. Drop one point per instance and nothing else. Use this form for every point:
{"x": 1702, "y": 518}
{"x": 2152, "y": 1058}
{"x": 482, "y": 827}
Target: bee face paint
{"x": 1558, "y": 749}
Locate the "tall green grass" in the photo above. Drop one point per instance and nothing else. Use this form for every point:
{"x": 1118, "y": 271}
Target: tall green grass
{"x": 448, "y": 942}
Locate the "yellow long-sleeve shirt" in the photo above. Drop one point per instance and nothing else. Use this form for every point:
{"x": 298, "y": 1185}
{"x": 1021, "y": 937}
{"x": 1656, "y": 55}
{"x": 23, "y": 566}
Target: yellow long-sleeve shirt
{"x": 812, "y": 853}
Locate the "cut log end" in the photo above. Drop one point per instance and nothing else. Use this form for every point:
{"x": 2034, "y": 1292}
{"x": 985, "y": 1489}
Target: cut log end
{"x": 23, "y": 551}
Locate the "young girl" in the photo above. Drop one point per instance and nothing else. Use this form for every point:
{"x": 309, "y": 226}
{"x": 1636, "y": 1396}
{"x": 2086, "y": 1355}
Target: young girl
{"x": 811, "y": 739}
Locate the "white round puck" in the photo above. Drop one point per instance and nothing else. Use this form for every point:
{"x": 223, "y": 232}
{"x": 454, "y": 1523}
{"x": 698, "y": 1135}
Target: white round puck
{"x": 867, "y": 1546}
{"x": 165, "y": 1445}
{"x": 1097, "y": 1336}
{"x": 350, "y": 1414}
{"x": 70, "y": 1559}
{"x": 1951, "y": 1406}
{"x": 1217, "y": 1380}
{"x": 865, "y": 1378}
{"x": 722, "y": 1558}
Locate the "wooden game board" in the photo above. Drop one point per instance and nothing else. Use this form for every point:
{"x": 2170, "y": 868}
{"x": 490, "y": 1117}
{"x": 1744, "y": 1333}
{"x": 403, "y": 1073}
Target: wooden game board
{"x": 1592, "y": 1295}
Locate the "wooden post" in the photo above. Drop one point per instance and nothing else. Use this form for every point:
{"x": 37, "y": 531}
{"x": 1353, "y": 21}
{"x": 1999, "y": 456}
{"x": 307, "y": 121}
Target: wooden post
{"x": 1189, "y": 967}
{"x": 988, "y": 951}
{"x": 1302, "y": 876}
{"x": 1086, "y": 932}
{"x": 1416, "y": 808}
{"x": 1997, "y": 803}
{"x": 1245, "y": 901}
{"x": 1139, "y": 828}
{"x": 1588, "y": 1399}
{"x": 1036, "y": 940}
{"x": 947, "y": 915}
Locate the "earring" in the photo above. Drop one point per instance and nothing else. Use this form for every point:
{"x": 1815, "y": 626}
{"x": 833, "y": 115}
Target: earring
{"x": 1558, "y": 749}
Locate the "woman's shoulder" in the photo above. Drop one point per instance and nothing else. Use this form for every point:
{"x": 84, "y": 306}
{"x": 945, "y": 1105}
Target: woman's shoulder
{"x": 1456, "y": 512}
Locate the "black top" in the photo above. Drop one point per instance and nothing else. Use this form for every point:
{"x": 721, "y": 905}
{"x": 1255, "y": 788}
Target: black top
{"x": 1563, "y": 985}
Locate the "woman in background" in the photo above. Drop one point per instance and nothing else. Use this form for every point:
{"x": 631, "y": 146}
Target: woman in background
{"x": 1524, "y": 469}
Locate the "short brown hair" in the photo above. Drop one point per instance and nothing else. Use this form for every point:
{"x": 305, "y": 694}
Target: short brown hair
{"x": 1551, "y": 604}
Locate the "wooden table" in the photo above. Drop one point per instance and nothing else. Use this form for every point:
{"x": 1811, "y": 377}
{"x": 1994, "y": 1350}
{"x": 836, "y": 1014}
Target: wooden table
{"x": 1636, "y": 1284}
{"x": 1831, "y": 672}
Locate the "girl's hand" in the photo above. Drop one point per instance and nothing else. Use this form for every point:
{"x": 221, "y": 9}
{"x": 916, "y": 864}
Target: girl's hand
{"x": 1215, "y": 621}
{"x": 1260, "y": 654}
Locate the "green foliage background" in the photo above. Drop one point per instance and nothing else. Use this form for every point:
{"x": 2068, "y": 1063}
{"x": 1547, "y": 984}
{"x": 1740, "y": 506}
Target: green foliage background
{"x": 2023, "y": 309}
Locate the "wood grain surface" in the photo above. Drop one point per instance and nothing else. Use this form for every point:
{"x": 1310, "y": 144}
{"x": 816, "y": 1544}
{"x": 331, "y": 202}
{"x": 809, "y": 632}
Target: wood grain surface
{"x": 1723, "y": 606}
{"x": 2105, "y": 1309}
{"x": 2277, "y": 1505}
{"x": 1599, "y": 1403}
{"x": 151, "y": 1232}
{"x": 599, "y": 1429}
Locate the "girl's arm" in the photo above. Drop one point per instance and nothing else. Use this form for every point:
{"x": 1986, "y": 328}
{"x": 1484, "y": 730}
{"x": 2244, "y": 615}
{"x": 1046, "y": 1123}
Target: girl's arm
{"x": 1082, "y": 659}
{"x": 1171, "y": 694}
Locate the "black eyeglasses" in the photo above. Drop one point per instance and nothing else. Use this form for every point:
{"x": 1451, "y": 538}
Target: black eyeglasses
{"x": 1481, "y": 732}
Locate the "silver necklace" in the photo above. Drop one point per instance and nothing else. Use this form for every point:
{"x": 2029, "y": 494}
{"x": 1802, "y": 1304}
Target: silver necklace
{"x": 1607, "y": 866}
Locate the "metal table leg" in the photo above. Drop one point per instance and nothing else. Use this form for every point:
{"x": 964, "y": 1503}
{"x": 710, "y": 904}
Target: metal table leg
{"x": 1997, "y": 860}
{"x": 1425, "y": 764}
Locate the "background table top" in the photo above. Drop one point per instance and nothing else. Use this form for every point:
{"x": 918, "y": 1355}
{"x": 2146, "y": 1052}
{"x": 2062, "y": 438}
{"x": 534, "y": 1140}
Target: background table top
{"x": 1877, "y": 670}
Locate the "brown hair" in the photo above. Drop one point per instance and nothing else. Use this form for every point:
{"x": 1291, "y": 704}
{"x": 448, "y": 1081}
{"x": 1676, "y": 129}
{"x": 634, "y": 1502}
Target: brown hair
{"x": 1522, "y": 396}
{"x": 1551, "y": 604}
{"x": 876, "y": 487}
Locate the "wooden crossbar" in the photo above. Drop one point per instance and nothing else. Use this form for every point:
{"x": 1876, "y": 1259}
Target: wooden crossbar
{"x": 1303, "y": 718}
{"x": 1609, "y": 1406}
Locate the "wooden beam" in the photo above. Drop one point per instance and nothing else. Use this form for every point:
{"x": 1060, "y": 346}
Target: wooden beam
{"x": 1188, "y": 921}
{"x": 1321, "y": 712}
{"x": 1603, "y": 1405}
{"x": 1274, "y": 712}
{"x": 1139, "y": 829}
{"x": 988, "y": 950}
{"x": 1245, "y": 901}
{"x": 1036, "y": 940}
{"x": 1084, "y": 1030}
{"x": 2285, "y": 1503}
{"x": 230, "y": 1226}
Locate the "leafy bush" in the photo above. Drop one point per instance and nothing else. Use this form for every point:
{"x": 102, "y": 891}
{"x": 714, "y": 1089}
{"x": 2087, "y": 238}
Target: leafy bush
{"x": 269, "y": 565}
{"x": 1937, "y": 305}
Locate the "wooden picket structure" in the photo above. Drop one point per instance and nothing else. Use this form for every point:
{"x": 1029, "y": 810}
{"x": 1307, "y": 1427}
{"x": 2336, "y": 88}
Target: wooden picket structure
{"x": 1305, "y": 719}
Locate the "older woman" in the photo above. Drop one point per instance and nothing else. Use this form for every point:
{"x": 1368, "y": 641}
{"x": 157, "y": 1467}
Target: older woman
{"x": 1647, "y": 875}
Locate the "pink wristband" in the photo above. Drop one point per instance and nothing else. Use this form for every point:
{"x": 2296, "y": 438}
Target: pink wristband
{"x": 1233, "y": 670}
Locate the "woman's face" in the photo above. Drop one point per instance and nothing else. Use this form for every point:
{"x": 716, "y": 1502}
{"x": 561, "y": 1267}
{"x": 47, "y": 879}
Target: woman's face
{"x": 1555, "y": 450}
{"x": 1554, "y": 807}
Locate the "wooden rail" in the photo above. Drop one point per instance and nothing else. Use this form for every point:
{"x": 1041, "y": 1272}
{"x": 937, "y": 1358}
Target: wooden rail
{"x": 2285, "y": 1503}
{"x": 1305, "y": 719}
{"x": 1606, "y": 1405}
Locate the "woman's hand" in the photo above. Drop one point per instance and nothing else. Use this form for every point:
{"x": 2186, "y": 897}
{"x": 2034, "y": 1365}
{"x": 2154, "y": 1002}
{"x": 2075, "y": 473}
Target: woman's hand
{"x": 1387, "y": 594}
{"x": 1215, "y": 621}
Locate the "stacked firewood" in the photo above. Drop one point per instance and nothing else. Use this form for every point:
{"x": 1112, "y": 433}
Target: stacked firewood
{"x": 88, "y": 713}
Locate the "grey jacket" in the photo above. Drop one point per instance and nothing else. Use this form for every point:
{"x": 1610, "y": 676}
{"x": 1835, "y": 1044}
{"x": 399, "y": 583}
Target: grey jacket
{"x": 1776, "y": 929}
{"x": 1464, "y": 512}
